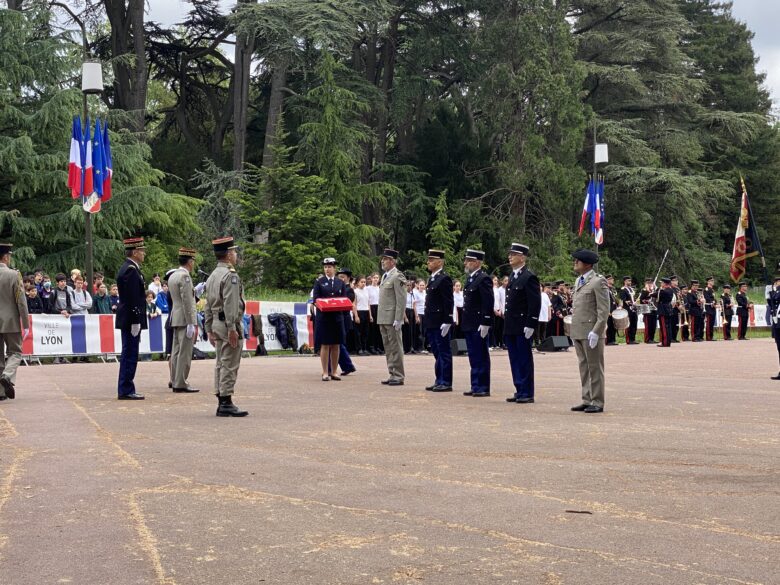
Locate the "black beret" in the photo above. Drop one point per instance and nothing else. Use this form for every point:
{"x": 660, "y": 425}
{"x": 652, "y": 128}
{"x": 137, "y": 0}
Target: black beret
{"x": 586, "y": 256}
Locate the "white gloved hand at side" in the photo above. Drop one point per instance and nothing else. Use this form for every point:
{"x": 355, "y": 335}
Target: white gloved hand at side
{"x": 190, "y": 331}
{"x": 529, "y": 331}
{"x": 445, "y": 329}
{"x": 484, "y": 330}
{"x": 135, "y": 329}
{"x": 397, "y": 325}
{"x": 593, "y": 340}
{"x": 768, "y": 291}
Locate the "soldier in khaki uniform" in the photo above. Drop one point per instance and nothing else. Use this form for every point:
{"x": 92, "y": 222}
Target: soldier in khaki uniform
{"x": 390, "y": 316}
{"x": 590, "y": 310}
{"x": 183, "y": 319}
{"x": 14, "y": 322}
{"x": 224, "y": 323}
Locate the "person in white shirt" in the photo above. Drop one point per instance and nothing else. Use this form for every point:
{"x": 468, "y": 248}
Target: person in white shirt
{"x": 544, "y": 315}
{"x": 155, "y": 286}
{"x": 457, "y": 312}
{"x": 364, "y": 314}
{"x": 419, "y": 315}
{"x": 499, "y": 300}
{"x": 410, "y": 327}
{"x": 375, "y": 346}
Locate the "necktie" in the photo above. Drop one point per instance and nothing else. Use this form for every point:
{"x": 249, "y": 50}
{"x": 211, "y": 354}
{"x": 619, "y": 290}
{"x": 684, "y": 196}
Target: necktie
{"x": 330, "y": 282}
{"x": 384, "y": 276}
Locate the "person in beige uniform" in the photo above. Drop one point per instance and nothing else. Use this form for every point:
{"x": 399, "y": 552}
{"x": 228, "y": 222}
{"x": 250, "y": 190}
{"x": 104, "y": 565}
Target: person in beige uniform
{"x": 14, "y": 322}
{"x": 183, "y": 319}
{"x": 224, "y": 323}
{"x": 590, "y": 309}
{"x": 390, "y": 316}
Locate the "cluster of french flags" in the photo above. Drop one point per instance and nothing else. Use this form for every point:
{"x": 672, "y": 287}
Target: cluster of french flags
{"x": 594, "y": 207}
{"x": 90, "y": 168}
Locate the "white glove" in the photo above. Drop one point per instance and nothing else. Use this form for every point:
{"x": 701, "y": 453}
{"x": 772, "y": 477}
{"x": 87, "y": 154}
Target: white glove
{"x": 397, "y": 325}
{"x": 199, "y": 288}
{"x": 593, "y": 340}
{"x": 135, "y": 329}
{"x": 445, "y": 329}
{"x": 190, "y": 331}
{"x": 768, "y": 291}
{"x": 484, "y": 330}
{"x": 25, "y": 333}
{"x": 529, "y": 331}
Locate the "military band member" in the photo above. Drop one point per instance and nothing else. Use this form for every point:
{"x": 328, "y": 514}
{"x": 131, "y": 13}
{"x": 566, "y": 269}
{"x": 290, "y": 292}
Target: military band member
{"x": 390, "y": 316}
{"x": 613, "y": 304}
{"x": 439, "y": 306}
{"x": 629, "y": 300}
{"x": 477, "y": 320}
{"x": 225, "y": 322}
{"x": 588, "y": 326}
{"x": 651, "y": 318}
{"x": 130, "y": 316}
{"x": 743, "y": 311}
{"x": 678, "y": 305}
{"x": 663, "y": 302}
{"x": 14, "y": 322}
{"x": 695, "y": 312}
{"x": 773, "y": 306}
{"x": 710, "y": 310}
{"x": 521, "y": 316}
{"x": 183, "y": 319}
{"x": 684, "y": 307}
{"x": 727, "y": 311}
{"x": 558, "y": 306}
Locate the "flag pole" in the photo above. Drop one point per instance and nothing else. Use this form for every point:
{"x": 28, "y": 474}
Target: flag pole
{"x": 88, "y": 262}
{"x": 595, "y": 164}
{"x": 755, "y": 231}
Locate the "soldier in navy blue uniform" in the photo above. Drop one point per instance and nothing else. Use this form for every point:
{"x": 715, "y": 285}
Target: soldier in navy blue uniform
{"x": 130, "y": 315}
{"x": 743, "y": 311}
{"x": 345, "y": 361}
{"x": 521, "y": 316}
{"x": 773, "y": 305}
{"x": 439, "y": 304}
{"x": 477, "y": 320}
{"x": 329, "y": 332}
{"x": 727, "y": 307}
{"x": 663, "y": 303}
{"x": 627, "y": 295}
{"x": 710, "y": 310}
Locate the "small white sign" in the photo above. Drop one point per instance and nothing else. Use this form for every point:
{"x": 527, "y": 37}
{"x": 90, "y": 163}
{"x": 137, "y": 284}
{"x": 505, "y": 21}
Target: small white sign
{"x": 602, "y": 153}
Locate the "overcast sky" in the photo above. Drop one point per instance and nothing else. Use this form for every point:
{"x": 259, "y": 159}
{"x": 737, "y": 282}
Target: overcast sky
{"x": 761, "y": 16}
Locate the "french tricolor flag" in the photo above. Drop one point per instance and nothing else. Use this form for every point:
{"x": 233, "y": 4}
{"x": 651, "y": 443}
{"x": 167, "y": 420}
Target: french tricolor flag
{"x": 74, "y": 164}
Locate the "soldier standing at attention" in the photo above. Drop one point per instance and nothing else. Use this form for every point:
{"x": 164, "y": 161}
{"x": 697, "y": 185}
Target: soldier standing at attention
{"x": 743, "y": 311}
{"x": 613, "y": 304}
{"x": 477, "y": 320}
{"x": 709, "y": 309}
{"x": 14, "y": 322}
{"x": 390, "y": 316}
{"x": 130, "y": 315}
{"x": 773, "y": 306}
{"x": 664, "y": 298}
{"x": 727, "y": 307}
{"x": 224, "y": 323}
{"x": 651, "y": 318}
{"x": 629, "y": 304}
{"x": 183, "y": 318}
{"x": 439, "y": 305}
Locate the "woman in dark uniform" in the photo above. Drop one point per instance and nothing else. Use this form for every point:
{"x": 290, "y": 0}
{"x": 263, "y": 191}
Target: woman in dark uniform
{"x": 329, "y": 327}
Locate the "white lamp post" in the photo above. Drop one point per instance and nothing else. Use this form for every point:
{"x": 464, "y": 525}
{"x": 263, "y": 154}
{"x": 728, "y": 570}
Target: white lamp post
{"x": 91, "y": 83}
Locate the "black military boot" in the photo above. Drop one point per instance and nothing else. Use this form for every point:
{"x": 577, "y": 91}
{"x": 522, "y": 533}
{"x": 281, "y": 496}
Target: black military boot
{"x": 227, "y": 408}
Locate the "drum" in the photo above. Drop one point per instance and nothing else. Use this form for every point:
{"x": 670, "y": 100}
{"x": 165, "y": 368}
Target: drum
{"x": 620, "y": 318}
{"x": 567, "y": 325}
{"x": 645, "y": 309}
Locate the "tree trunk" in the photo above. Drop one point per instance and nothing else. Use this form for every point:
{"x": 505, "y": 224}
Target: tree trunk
{"x": 389, "y": 52}
{"x": 275, "y": 107}
{"x": 241, "y": 74}
{"x": 15, "y": 4}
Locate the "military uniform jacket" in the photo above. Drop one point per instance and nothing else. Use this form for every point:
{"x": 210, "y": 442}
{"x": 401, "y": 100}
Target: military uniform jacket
{"x": 523, "y": 302}
{"x": 742, "y": 304}
{"x": 392, "y": 298}
{"x": 439, "y": 301}
{"x": 131, "y": 309}
{"x": 774, "y": 307}
{"x": 728, "y": 307}
{"x": 665, "y": 297}
{"x": 182, "y": 293}
{"x": 695, "y": 309}
{"x": 646, "y": 297}
{"x": 224, "y": 298}
{"x": 13, "y": 301}
{"x": 709, "y": 301}
{"x": 590, "y": 308}
{"x": 558, "y": 305}
{"x": 477, "y": 302}
{"x": 627, "y": 296}
{"x": 613, "y": 296}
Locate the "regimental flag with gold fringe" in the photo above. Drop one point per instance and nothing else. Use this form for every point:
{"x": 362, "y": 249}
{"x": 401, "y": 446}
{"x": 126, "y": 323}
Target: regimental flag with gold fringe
{"x": 746, "y": 242}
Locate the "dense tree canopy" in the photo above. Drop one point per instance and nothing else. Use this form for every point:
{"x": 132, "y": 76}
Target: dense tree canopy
{"x": 308, "y": 130}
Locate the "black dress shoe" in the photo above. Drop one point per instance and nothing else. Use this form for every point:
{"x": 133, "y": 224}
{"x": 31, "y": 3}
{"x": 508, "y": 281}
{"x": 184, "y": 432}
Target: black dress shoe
{"x": 170, "y": 384}
{"x": 132, "y": 396}
{"x": 580, "y": 407}
{"x": 385, "y": 382}
{"x": 186, "y": 389}
{"x": 776, "y": 377}
{"x": 511, "y": 399}
{"x": 8, "y": 386}
{"x": 480, "y": 394}
{"x": 395, "y": 382}
{"x": 348, "y": 372}
{"x": 431, "y": 387}
{"x": 593, "y": 408}
{"x": 441, "y": 388}
{"x": 3, "y": 398}
{"x": 524, "y": 400}
{"x": 469, "y": 393}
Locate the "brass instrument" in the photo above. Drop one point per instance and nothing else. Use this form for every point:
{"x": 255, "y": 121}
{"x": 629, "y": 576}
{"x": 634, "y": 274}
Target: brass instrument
{"x": 680, "y": 304}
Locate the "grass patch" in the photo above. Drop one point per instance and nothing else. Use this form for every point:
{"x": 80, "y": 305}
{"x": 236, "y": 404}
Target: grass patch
{"x": 264, "y": 293}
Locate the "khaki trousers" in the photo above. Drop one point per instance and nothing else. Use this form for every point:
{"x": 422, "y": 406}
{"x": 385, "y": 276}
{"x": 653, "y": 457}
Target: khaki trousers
{"x": 181, "y": 357}
{"x": 394, "y": 351}
{"x": 12, "y": 342}
{"x": 591, "y": 363}
{"x": 228, "y": 361}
